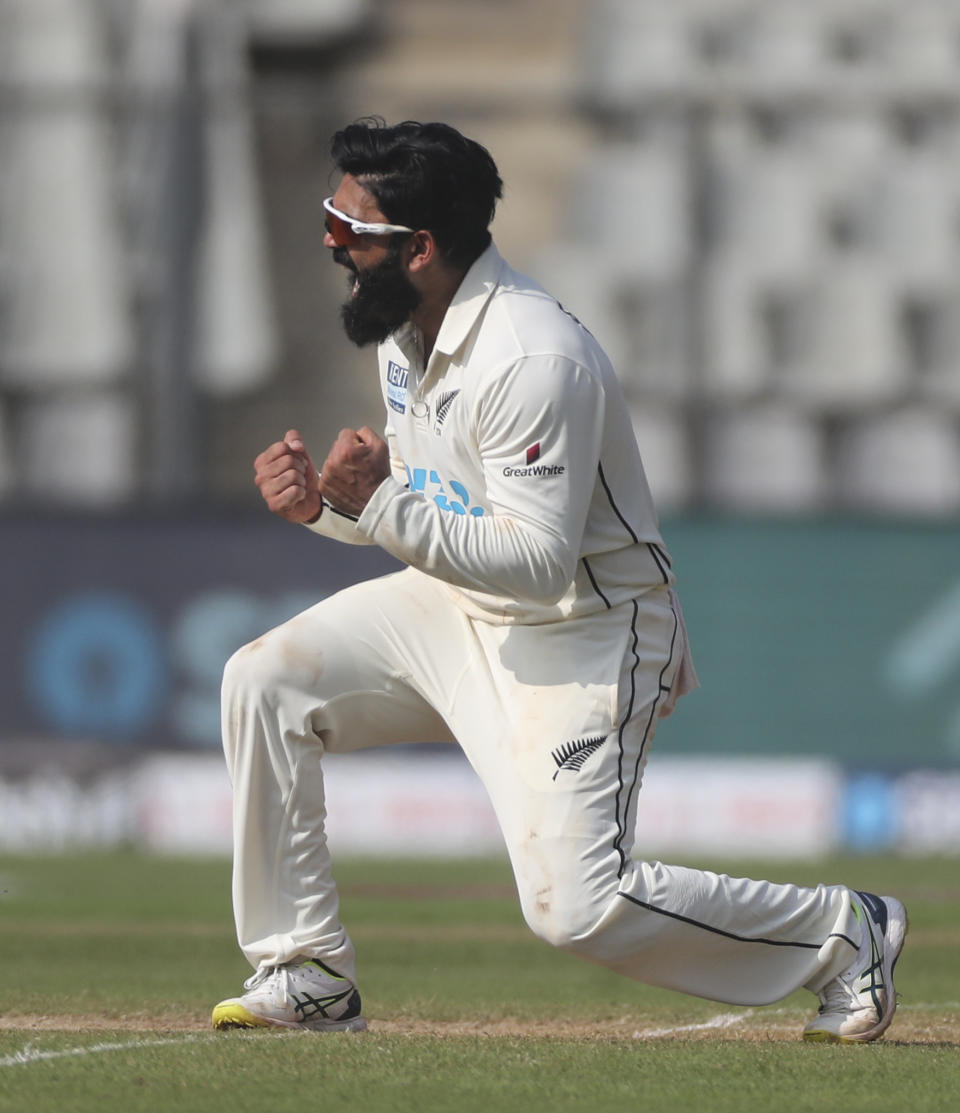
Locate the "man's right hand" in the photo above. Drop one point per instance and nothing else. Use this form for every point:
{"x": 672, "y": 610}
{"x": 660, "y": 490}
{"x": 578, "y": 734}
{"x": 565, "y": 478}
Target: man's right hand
{"x": 288, "y": 480}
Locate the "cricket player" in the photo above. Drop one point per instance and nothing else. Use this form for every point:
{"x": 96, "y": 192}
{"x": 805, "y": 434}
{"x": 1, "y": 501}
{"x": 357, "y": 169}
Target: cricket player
{"x": 535, "y": 624}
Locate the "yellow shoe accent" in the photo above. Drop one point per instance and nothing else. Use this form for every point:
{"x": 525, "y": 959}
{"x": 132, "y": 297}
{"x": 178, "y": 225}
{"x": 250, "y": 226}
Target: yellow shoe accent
{"x": 830, "y": 1037}
{"x": 822, "y": 1037}
{"x": 231, "y": 1014}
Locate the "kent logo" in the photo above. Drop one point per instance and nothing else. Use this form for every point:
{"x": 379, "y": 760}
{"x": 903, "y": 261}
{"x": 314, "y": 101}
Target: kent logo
{"x": 397, "y": 387}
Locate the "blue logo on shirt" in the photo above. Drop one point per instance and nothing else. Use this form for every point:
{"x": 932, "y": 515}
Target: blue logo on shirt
{"x": 397, "y": 387}
{"x": 430, "y": 486}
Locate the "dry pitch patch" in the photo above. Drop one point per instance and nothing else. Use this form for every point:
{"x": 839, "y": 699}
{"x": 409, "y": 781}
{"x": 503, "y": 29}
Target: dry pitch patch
{"x": 914, "y": 1025}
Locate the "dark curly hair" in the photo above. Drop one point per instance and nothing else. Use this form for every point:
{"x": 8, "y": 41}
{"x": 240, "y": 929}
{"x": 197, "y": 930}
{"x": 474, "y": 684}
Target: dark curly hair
{"x": 425, "y": 176}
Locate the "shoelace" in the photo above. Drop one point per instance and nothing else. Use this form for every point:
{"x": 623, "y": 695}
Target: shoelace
{"x": 282, "y": 973}
{"x": 260, "y": 976}
{"x": 836, "y": 996}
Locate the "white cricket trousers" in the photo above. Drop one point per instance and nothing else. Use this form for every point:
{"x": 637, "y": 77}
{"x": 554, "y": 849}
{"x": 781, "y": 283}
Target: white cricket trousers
{"x": 557, "y": 721}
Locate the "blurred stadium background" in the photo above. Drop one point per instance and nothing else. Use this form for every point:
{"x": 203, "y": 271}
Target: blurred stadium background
{"x": 754, "y": 204}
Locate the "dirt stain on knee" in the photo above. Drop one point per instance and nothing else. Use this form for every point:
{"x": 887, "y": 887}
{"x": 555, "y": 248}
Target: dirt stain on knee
{"x": 309, "y": 665}
{"x": 542, "y": 899}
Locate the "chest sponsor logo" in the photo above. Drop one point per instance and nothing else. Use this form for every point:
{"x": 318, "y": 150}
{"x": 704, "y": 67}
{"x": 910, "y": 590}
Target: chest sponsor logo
{"x": 448, "y": 494}
{"x": 397, "y": 387}
{"x": 534, "y": 471}
{"x": 530, "y": 467}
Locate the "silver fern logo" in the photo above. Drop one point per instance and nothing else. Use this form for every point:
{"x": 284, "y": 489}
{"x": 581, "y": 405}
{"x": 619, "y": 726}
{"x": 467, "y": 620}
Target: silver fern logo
{"x": 444, "y": 402}
{"x": 572, "y": 755}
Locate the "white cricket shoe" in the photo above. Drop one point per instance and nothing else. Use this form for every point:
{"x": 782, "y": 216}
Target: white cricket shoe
{"x": 301, "y": 994}
{"x": 858, "y": 1005}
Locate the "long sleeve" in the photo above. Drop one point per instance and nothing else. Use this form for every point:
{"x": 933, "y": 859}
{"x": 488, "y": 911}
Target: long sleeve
{"x": 538, "y": 428}
{"x": 339, "y": 526}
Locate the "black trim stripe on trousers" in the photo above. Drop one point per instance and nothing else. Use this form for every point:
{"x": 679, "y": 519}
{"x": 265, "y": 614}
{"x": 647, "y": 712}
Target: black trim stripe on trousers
{"x": 622, "y": 822}
{"x": 733, "y": 935}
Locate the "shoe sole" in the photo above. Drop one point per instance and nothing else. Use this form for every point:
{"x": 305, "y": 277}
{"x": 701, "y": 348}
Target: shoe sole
{"x": 898, "y": 924}
{"x": 231, "y": 1015}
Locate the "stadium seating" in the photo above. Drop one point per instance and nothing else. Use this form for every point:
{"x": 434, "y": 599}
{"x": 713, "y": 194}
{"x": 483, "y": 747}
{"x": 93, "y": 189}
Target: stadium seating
{"x": 663, "y": 438}
{"x": 237, "y": 345}
{"x": 849, "y": 352}
{"x": 637, "y": 204}
{"x": 907, "y": 461}
{"x": 736, "y": 329}
{"x": 638, "y": 48}
{"x": 765, "y": 204}
{"x": 793, "y": 46}
{"x": 938, "y": 342}
{"x": 294, "y": 23}
{"x": 67, "y": 315}
{"x": 79, "y": 449}
{"x": 92, "y": 219}
{"x": 918, "y": 45}
{"x": 769, "y": 252}
{"x": 918, "y": 202}
{"x": 817, "y": 143}
{"x": 766, "y": 457}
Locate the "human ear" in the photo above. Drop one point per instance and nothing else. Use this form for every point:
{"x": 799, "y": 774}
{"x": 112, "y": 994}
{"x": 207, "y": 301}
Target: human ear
{"x": 422, "y": 251}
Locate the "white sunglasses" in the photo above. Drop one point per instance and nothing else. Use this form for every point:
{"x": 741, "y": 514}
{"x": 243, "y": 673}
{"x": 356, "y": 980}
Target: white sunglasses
{"x": 346, "y": 230}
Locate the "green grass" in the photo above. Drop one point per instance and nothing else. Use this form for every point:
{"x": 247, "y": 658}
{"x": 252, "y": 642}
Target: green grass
{"x": 111, "y": 963}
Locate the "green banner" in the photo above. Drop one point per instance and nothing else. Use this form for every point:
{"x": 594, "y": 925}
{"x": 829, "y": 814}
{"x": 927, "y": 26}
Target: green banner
{"x": 832, "y": 638}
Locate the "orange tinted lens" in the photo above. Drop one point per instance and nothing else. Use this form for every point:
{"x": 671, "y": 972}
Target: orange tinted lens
{"x": 343, "y": 234}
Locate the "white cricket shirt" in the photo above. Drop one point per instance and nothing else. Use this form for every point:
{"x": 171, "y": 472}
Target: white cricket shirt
{"x": 517, "y": 480}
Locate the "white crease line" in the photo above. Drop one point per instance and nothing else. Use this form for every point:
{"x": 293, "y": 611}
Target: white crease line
{"x": 730, "y": 1020}
{"x": 724, "y": 1020}
{"x": 30, "y": 1055}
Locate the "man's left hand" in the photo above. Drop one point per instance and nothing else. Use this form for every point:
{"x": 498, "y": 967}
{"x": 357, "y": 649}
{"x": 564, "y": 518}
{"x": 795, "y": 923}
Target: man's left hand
{"x": 356, "y": 465}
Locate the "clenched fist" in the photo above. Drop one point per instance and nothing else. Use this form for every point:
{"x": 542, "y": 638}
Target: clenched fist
{"x": 356, "y": 465}
{"x": 288, "y": 480}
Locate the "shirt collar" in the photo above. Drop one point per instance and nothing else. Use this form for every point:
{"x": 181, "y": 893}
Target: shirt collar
{"x": 469, "y": 301}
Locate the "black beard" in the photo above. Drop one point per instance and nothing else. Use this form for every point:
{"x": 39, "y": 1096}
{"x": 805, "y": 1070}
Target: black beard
{"x": 383, "y": 301}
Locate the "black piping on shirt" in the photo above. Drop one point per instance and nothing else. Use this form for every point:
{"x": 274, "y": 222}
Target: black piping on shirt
{"x": 596, "y": 586}
{"x": 616, "y": 509}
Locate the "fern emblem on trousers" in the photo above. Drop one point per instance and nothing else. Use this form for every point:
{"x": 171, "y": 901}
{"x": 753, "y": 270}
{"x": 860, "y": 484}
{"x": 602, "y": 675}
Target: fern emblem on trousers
{"x": 572, "y": 755}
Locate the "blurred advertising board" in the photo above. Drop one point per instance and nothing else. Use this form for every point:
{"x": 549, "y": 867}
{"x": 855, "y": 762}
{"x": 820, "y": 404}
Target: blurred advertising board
{"x": 835, "y": 638}
{"x": 116, "y": 628}
{"x": 427, "y": 801}
{"x": 818, "y": 639}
